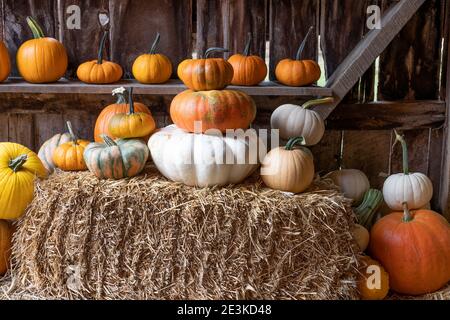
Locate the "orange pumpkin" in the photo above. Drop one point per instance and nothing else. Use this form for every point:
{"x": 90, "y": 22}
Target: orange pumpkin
{"x": 5, "y": 246}
{"x": 131, "y": 124}
{"x": 298, "y": 72}
{"x": 414, "y": 247}
{"x": 152, "y": 67}
{"x": 121, "y": 106}
{"x": 69, "y": 156}
{"x": 5, "y": 63}
{"x": 373, "y": 281}
{"x": 249, "y": 70}
{"x": 207, "y": 73}
{"x": 225, "y": 109}
{"x": 100, "y": 71}
{"x": 42, "y": 59}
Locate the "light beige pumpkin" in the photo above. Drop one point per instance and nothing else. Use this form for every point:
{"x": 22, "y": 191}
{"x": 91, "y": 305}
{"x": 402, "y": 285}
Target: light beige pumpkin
{"x": 361, "y": 236}
{"x": 352, "y": 183}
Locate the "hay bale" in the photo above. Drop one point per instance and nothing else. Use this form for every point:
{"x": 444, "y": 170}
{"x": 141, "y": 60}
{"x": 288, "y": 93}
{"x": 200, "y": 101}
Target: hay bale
{"x": 148, "y": 238}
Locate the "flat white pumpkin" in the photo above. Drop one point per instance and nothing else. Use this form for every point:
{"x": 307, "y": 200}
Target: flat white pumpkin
{"x": 200, "y": 159}
{"x": 352, "y": 183}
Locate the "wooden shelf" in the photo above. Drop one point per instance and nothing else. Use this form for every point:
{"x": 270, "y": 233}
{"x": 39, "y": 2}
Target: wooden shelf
{"x": 170, "y": 88}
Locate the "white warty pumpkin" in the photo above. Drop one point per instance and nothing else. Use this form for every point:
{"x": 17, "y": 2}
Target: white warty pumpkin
{"x": 46, "y": 151}
{"x": 199, "y": 159}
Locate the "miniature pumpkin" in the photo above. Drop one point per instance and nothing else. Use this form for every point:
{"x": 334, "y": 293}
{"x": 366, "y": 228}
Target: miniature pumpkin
{"x": 373, "y": 282}
{"x": 414, "y": 188}
{"x": 207, "y": 73}
{"x": 48, "y": 148}
{"x": 289, "y": 168}
{"x": 298, "y": 72}
{"x": 42, "y": 59}
{"x": 100, "y": 71}
{"x": 414, "y": 247}
{"x": 222, "y": 110}
{"x": 116, "y": 159}
{"x": 361, "y": 236}
{"x": 352, "y": 183}
{"x": 152, "y": 67}
{"x": 69, "y": 156}
{"x": 5, "y": 62}
{"x": 19, "y": 166}
{"x": 5, "y": 246}
{"x": 248, "y": 70}
{"x": 201, "y": 159}
{"x": 293, "y": 121}
{"x": 121, "y": 106}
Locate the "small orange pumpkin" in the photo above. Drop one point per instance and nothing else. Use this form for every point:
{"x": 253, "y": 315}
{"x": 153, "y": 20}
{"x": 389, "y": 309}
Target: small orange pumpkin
{"x": 152, "y": 67}
{"x": 131, "y": 124}
{"x": 206, "y": 74}
{"x": 249, "y": 70}
{"x": 5, "y": 62}
{"x": 298, "y": 72}
{"x": 100, "y": 71}
{"x": 42, "y": 59}
{"x": 5, "y": 246}
{"x": 69, "y": 156}
{"x": 373, "y": 281}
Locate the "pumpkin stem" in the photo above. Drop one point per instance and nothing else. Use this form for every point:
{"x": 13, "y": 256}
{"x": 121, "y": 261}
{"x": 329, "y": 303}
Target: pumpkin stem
{"x": 120, "y": 93}
{"x": 102, "y": 47}
{"x": 214, "y": 49}
{"x": 108, "y": 140}
{"x": 130, "y": 100}
{"x": 155, "y": 43}
{"x": 303, "y": 44}
{"x": 316, "y": 102}
{"x": 407, "y": 216}
{"x": 247, "y": 45}
{"x": 17, "y": 163}
{"x": 295, "y": 141}
{"x": 73, "y": 137}
{"x": 401, "y": 139}
{"x": 35, "y": 28}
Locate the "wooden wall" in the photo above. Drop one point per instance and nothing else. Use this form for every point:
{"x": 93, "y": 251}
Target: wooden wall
{"x": 409, "y": 70}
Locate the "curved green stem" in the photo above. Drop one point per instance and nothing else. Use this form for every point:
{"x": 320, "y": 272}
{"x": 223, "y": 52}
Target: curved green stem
{"x": 214, "y": 49}
{"x": 73, "y": 137}
{"x": 295, "y": 141}
{"x": 130, "y": 100}
{"x": 35, "y": 28}
{"x": 155, "y": 43}
{"x": 303, "y": 44}
{"x": 108, "y": 140}
{"x": 17, "y": 163}
{"x": 407, "y": 216}
{"x": 316, "y": 102}
{"x": 402, "y": 141}
{"x": 247, "y": 45}
{"x": 102, "y": 47}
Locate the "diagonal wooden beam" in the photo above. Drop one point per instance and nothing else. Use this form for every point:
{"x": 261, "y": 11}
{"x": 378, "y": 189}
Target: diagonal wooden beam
{"x": 367, "y": 51}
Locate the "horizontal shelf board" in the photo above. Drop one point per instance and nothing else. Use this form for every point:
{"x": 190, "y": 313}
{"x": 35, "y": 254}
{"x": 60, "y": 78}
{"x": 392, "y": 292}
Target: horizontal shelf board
{"x": 172, "y": 87}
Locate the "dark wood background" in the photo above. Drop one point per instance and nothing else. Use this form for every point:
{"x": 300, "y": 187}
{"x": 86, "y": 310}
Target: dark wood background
{"x": 411, "y": 86}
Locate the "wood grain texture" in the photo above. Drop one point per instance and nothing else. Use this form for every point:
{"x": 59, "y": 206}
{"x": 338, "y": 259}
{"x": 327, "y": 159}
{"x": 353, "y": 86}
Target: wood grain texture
{"x": 418, "y": 151}
{"x": 435, "y": 164}
{"x": 226, "y": 23}
{"x": 134, "y": 25}
{"x": 327, "y": 152}
{"x": 4, "y": 127}
{"x": 290, "y": 20}
{"x": 46, "y": 125}
{"x": 21, "y": 129}
{"x": 16, "y": 30}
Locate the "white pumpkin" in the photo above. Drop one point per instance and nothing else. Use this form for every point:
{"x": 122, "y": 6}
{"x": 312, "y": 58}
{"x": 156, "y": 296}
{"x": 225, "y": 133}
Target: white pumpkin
{"x": 199, "y": 159}
{"x": 46, "y": 151}
{"x": 299, "y": 121}
{"x": 352, "y": 183}
{"x": 415, "y": 189}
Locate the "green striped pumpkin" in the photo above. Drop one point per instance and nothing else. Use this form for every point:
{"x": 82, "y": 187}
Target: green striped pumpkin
{"x": 116, "y": 159}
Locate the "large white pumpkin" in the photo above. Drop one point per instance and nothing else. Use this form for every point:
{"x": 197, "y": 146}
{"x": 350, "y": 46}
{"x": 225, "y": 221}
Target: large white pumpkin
{"x": 299, "y": 121}
{"x": 200, "y": 159}
{"x": 415, "y": 189}
{"x": 352, "y": 183}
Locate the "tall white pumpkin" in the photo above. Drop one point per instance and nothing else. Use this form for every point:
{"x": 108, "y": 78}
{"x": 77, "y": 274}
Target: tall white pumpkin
{"x": 299, "y": 121}
{"x": 200, "y": 159}
{"x": 415, "y": 189}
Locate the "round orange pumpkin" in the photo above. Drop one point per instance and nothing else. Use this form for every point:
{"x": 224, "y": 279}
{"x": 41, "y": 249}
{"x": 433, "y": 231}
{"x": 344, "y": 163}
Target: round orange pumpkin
{"x": 100, "y": 71}
{"x": 298, "y": 72}
{"x": 5, "y": 246}
{"x": 222, "y": 110}
{"x": 207, "y": 73}
{"x": 121, "y": 106}
{"x": 152, "y": 67}
{"x": 249, "y": 70}
{"x": 414, "y": 247}
{"x": 5, "y": 63}
{"x": 373, "y": 281}
{"x": 42, "y": 59}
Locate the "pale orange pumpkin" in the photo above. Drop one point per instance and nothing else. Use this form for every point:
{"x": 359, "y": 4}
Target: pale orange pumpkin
{"x": 373, "y": 281}
{"x": 5, "y": 63}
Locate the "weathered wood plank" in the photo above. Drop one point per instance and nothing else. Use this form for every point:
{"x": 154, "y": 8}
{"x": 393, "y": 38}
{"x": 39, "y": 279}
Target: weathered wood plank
{"x": 290, "y": 20}
{"x": 134, "y": 25}
{"x": 21, "y": 129}
{"x": 4, "y": 127}
{"x": 435, "y": 163}
{"x": 418, "y": 151}
{"x": 46, "y": 125}
{"x": 327, "y": 152}
{"x": 16, "y": 30}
